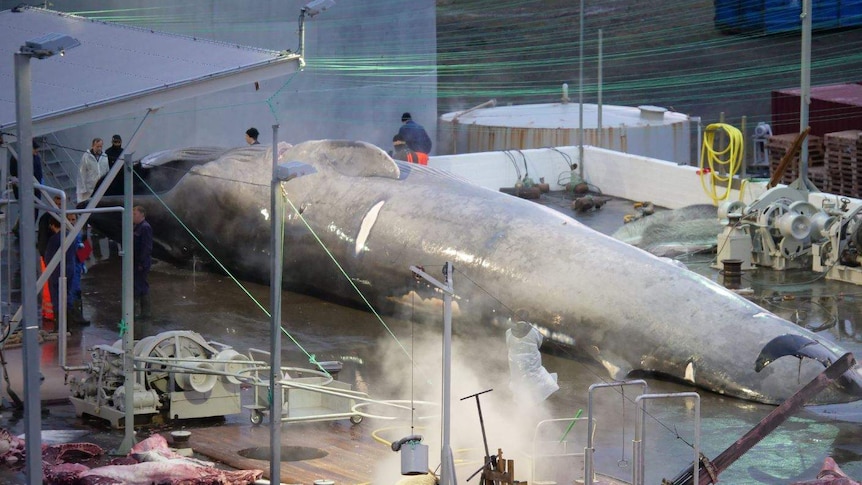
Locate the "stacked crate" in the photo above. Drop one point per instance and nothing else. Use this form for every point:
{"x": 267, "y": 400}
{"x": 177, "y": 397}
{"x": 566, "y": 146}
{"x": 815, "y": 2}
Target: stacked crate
{"x": 843, "y": 149}
{"x": 777, "y": 145}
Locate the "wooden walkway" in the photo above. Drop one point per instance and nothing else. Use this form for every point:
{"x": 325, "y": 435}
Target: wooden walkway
{"x": 351, "y": 452}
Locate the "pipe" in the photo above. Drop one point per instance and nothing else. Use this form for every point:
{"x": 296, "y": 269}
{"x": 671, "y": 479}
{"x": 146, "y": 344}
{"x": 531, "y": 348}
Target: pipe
{"x": 490, "y": 103}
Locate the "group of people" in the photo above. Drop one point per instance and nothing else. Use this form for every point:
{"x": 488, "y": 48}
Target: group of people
{"x": 95, "y": 165}
{"x": 411, "y": 143}
{"x": 48, "y": 243}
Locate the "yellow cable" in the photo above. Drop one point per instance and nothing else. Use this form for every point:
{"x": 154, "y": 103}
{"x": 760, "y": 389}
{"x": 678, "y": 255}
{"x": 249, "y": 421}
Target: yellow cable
{"x": 712, "y": 160}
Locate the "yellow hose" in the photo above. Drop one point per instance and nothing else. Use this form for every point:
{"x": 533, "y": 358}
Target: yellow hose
{"x": 719, "y": 166}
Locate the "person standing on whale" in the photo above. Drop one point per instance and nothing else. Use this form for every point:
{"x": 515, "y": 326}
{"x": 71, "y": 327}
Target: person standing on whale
{"x": 415, "y": 135}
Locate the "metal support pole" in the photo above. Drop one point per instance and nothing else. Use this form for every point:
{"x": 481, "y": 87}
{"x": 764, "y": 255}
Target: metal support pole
{"x": 805, "y": 85}
{"x": 301, "y": 48}
{"x": 447, "y": 463}
{"x": 129, "y": 439}
{"x": 277, "y": 264}
{"x": 581, "y": 93}
{"x": 27, "y": 239}
{"x": 599, "y": 126}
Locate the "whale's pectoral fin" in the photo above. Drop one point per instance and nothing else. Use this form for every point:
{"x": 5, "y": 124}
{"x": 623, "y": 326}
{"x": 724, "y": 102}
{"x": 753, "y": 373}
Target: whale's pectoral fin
{"x": 795, "y": 345}
{"x": 617, "y": 367}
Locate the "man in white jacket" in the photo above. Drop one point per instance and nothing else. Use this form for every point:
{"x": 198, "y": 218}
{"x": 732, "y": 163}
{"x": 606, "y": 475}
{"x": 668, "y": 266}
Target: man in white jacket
{"x": 94, "y": 165}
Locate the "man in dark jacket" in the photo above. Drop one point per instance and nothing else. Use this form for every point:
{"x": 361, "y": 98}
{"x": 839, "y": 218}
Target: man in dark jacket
{"x": 116, "y": 149}
{"x": 415, "y": 135}
{"x": 142, "y": 251}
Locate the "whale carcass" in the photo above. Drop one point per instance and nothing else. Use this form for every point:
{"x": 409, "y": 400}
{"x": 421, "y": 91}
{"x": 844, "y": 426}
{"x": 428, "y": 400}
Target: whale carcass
{"x": 623, "y": 307}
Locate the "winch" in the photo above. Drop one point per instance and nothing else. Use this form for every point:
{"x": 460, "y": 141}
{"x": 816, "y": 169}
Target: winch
{"x": 178, "y": 375}
{"x": 783, "y": 230}
{"x": 777, "y": 230}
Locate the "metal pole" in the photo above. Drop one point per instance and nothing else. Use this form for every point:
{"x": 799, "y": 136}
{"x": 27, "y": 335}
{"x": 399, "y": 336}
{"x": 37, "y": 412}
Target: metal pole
{"x": 805, "y": 91}
{"x": 128, "y": 310}
{"x": 581, "y": 93}
{"x": 277, "y": 262}
{"x": 599, "y": 100}
{"x": 448, "y": 466}
{"x": 27, "y": 239}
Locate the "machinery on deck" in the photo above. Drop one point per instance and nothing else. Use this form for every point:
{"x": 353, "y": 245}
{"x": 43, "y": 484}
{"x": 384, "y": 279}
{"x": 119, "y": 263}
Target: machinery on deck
{"x": 774, "y": 231}
{"x": 178, "y": 374}
{"x": 840, "y": 254}
{"x": 783, "y": 230}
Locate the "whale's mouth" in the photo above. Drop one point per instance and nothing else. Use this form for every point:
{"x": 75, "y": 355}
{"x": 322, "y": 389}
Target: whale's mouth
{"x": 795, "y": 345}
{"x": 803, "y": 347}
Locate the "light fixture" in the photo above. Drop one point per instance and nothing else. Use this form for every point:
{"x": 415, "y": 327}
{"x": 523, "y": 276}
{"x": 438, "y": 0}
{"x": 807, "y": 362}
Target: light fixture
{"x": 309, "y": 10}
{"x": 49, "y": 45}
{"x": 316, "y": 6}
{"x": 291, "y": 170}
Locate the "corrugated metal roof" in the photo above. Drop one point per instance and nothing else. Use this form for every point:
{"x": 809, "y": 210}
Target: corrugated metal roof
{"x": 848, "y": 94}
{"x": 565, "y": 116}
{"x": 119, "y": 69}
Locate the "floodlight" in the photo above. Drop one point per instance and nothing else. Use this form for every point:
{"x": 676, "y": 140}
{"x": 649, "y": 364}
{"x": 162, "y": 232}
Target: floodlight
{"x": 48, "y": 45}
{"x": 290, "y": 170}
{"x": 316, "y": 6}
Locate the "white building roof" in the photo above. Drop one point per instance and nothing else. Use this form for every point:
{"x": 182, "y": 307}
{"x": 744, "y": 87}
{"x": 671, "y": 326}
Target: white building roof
{"x": 119, "y": 70}
{"x": 564, "y": 116}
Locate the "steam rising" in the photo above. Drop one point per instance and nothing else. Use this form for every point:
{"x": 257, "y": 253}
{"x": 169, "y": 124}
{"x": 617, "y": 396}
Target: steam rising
{"x": 479, "y": 363}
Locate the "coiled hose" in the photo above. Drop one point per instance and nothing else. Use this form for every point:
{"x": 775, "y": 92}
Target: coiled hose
{"x": 719, "y": 166}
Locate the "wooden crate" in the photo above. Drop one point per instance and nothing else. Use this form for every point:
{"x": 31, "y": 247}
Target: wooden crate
{"x": 778, "y": 145}
{"x": 843, "y": 150}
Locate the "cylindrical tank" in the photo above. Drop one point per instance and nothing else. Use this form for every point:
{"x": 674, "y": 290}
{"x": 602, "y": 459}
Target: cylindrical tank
{"x": 649, "y": 131}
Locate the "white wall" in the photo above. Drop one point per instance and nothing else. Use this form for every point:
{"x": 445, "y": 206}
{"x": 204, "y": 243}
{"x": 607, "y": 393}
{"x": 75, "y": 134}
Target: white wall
{"x": 618, "y": 174}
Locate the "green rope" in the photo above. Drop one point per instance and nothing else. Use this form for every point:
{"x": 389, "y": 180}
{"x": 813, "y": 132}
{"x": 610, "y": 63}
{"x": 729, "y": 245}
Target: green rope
{"x": 346, "y": 276}
{"x": 223, "y": 268}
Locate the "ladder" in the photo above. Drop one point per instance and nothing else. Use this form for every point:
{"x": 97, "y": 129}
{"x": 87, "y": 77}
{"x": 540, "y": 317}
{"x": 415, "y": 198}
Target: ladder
{"x": 59, "y": 166}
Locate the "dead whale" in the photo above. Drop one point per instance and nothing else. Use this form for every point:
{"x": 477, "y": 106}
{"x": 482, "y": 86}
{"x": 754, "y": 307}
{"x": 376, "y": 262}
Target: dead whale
{"x": 623, "y": 307}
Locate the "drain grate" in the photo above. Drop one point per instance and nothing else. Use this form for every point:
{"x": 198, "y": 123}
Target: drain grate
{"x": 288, "y": 453}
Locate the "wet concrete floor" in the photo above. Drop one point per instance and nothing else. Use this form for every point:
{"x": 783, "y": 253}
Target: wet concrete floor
{"x": 218, "y": 309}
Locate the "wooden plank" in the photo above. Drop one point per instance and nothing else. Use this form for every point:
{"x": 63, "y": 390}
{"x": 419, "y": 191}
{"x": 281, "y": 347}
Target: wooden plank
{"x": 351, "y": 452}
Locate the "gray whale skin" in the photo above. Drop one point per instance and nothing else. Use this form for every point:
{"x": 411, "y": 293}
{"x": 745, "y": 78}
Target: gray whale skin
{"x": 623, "y": 307}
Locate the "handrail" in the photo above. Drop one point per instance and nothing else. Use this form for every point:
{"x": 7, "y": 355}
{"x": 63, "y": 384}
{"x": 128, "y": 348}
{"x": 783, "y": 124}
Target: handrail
{"x": 589, "y": 450}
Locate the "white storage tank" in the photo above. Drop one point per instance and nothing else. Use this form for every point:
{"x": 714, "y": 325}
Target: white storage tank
{"x": 649, "y": 131}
